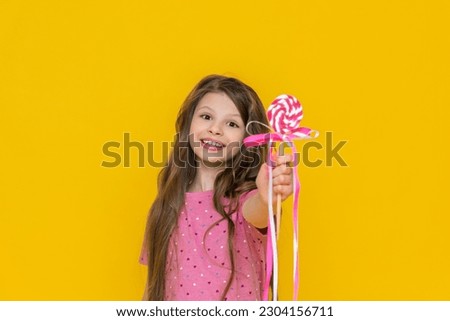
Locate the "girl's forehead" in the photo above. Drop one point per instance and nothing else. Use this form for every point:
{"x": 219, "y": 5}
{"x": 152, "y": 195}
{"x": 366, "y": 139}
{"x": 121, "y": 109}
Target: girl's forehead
{"x": 218, "y": 103}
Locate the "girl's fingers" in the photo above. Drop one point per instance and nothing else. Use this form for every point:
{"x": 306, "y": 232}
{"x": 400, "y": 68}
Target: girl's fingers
{"x": 283, "y": 190}
{"x": 281, "y": 170}
{"x": 282, "y": 180}
{"x": 282, "y": 176}
{"x": 284, "y": 159}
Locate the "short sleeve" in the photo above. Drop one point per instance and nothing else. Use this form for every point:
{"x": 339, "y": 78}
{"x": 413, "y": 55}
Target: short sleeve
{"x": 245, "y": 196}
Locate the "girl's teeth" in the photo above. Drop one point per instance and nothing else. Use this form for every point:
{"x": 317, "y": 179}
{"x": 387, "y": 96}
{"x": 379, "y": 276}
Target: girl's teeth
{"x": 212, "y": 143}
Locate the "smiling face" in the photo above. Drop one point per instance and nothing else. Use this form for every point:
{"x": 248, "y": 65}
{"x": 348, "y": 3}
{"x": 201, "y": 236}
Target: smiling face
{"x": 217, "y": 130}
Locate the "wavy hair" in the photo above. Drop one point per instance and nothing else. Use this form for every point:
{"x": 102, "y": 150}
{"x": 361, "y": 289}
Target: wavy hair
{"x": 237, "y": 177}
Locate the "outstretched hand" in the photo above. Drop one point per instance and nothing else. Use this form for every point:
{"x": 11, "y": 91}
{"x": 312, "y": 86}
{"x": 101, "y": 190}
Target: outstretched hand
{"x": 282, "y": 179}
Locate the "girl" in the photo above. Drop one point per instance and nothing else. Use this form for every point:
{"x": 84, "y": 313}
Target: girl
{"x": 204, "y": 238}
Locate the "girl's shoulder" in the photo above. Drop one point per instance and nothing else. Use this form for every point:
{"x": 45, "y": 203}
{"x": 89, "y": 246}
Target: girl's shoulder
{"x": 210, "y": 194}
{"x": 246, "y": 195}
{"x": 206, "y": 198}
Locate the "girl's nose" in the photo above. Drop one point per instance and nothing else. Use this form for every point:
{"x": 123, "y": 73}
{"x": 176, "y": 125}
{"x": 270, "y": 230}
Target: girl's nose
{"x": 215, "y": 129}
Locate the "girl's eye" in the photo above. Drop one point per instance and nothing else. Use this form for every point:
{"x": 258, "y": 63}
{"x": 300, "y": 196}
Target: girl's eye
{"x": 233, "y": 124}
{"x": 206, "y": 117}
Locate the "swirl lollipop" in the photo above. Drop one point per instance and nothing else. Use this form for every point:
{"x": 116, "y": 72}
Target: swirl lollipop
{"x": 284, "y": 114}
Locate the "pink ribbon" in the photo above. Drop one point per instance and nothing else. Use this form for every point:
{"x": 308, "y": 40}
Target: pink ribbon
{"x": 271, "y": 252}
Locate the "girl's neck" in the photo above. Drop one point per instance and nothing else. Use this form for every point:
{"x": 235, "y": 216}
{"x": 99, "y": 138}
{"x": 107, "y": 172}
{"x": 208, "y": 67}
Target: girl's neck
{"x": 204, "y": 179}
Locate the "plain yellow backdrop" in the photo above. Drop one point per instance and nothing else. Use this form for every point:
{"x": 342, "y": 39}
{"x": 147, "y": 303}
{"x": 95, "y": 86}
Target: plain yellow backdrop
{"x": 77, "y": 74}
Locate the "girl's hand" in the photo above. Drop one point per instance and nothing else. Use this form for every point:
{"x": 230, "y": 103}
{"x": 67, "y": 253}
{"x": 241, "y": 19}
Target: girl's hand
{"x": 282, "y": 179}
{"x": 255, "y": 208}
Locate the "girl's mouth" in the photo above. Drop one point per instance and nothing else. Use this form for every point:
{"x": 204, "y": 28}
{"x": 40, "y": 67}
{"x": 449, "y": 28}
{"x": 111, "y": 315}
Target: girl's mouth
{"x": 211, "y": 145}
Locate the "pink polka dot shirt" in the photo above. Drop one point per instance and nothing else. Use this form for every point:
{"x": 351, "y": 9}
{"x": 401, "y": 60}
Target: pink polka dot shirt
{"x": 198, "y": 265}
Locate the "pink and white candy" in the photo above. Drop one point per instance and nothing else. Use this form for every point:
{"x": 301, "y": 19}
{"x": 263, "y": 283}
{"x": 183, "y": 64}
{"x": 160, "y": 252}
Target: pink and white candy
{"x": 285, "y": 114}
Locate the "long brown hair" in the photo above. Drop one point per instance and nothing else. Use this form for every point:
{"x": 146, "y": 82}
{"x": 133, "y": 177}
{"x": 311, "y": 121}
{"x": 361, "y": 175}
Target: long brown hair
{"x": 173, "y": 180}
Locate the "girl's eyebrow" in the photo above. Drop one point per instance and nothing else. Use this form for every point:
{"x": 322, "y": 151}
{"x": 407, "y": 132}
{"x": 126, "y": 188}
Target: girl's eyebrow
{"x": 207, "y": 107}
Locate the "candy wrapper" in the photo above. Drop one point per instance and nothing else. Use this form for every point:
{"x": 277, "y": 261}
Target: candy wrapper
{"x": 284, "y": 114}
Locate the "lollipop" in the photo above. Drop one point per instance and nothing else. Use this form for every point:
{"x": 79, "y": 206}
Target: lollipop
{"x": 284, "y": 114}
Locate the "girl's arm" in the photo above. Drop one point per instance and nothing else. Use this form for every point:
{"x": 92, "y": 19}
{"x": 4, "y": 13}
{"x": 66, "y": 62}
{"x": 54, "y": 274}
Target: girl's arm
{"x": 255, "y": 209}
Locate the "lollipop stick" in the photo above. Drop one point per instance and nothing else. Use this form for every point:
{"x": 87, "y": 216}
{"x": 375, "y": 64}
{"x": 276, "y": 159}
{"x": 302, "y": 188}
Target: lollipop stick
{"x": 278, "y": 215}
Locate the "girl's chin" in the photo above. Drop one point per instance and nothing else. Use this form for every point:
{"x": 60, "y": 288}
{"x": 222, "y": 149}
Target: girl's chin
{"x": 212, "y": 162}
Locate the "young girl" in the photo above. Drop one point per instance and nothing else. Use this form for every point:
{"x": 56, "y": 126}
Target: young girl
{"x": 204, "y": 238}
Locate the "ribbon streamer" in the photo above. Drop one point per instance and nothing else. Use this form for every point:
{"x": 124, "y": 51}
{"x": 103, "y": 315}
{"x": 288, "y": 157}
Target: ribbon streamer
{"x": 285, "y": 114}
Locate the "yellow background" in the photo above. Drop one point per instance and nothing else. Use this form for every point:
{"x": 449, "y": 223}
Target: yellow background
{"x": 77, "y": 74}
